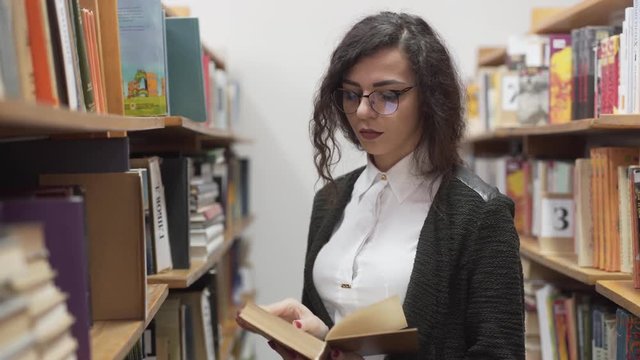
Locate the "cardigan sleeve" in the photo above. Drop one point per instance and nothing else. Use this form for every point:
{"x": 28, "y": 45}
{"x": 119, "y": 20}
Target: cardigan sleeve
{"x": 495, "y": 311}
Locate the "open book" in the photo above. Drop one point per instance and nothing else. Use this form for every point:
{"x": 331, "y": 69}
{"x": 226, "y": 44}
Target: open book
{"x": 376, "y": 329}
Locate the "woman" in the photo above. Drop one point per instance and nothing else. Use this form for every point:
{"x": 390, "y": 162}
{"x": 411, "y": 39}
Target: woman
{"x": 413, "y": 222}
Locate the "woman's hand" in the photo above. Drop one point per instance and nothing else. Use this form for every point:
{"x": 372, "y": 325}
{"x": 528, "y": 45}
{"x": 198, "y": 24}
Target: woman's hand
{"x": 300, "y": 316}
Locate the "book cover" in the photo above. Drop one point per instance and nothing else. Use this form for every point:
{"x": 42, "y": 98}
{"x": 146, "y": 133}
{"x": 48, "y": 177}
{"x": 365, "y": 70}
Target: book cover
{"x": 380, "y": 328}
{"x": 90, "y": 7}
{"x": 65, "y": 239}
{"x": 64, "y": 32}
{"x": 41, "y": 52}
{"x": 592, "y": 36}
{"x": 184, "y": 59}
{"x": 23, "y": 51}
{"x": 142, "y": 57}
{"x": 533, "y": 100}
{"x": 115, "y": 229}
{"x": 175, "y": 177}
{"x": 560, "y": 87}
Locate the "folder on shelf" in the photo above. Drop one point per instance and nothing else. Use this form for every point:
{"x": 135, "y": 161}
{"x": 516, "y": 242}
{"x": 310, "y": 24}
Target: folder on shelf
{"x": 115, "y": 228}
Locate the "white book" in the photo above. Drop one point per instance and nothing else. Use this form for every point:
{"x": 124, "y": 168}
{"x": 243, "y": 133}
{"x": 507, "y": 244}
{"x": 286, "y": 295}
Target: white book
{"x": 544, "y": 303}
{"x": 636, "y": 56}
{"x": 621, "y": 83}
{"x": 624, "y": 218}
{"x": 70, "y": 74}
{"x": 205, "y": 236}
{"x": 629, "y": 61}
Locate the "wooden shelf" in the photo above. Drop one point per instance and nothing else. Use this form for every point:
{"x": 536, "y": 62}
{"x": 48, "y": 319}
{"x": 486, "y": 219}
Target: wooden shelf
{"x": 24, "y": 119}
{"x": 584, "y": 13}
{"x": 604, "y": 124}
{"x": 183, "y": 278}
{"x": 530, "y": 249}
{"x": 491, "y": 56}
{"x": 114, "y": 339}
{"x": 622, "y": 293}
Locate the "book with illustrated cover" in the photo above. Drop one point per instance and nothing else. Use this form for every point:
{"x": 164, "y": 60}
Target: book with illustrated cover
{"x": 142, "y": 55}
{"x": 380, "y": 328}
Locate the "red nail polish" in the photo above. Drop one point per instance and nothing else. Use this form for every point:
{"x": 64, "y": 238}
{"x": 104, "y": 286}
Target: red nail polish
{"x": 297, "y": 324}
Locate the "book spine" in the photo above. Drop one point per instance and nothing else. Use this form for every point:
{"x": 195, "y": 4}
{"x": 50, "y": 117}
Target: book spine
{"x": 83, "y": 61}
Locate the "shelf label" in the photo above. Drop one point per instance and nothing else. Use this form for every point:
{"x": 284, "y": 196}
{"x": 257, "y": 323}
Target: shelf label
{"x": 557, "y": 216}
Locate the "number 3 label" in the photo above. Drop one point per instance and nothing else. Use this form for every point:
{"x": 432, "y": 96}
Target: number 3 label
{"x": 557, "y": 217}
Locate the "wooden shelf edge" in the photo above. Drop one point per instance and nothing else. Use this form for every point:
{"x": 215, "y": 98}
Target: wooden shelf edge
{"x": 622, "y": 293}
{"x": 565, "y": 21}
{"x": 529, "y": 249}
{"x": 198, "y": 128}
{"x": 183, "y": 278}
{"x": 114, "y": 339}
{"x": 18, "y": 118}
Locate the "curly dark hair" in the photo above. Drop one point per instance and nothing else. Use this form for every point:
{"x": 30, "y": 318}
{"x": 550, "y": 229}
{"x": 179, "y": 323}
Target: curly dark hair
{"x": 437, "y": 83}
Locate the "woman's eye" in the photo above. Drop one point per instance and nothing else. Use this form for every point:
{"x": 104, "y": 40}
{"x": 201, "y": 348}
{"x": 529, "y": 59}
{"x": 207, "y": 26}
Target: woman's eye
{"x": 389, "y": 96}
{"x": 351, "y": 96}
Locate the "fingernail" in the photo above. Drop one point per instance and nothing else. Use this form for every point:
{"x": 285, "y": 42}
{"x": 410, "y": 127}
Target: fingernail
{"x": 297, "y": 324}
{"x": 335, "y": 353}
{"x": 271, "y": 344}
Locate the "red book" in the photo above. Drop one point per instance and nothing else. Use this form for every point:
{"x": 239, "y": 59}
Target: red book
{"x": 207, "y": 88}
{"x": 41, "y": 53}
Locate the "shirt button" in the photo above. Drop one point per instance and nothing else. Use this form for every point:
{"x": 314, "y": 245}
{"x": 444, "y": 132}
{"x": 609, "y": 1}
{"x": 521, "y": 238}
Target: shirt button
{"x": 345, "y": 286}
{"x": 383, "y": 177}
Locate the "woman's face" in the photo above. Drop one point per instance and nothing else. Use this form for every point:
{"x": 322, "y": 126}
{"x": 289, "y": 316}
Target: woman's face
{"x": 388, "y": 138}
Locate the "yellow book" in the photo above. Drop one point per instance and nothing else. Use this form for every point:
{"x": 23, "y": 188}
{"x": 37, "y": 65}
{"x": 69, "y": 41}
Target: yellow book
{"x": 560, "y": 87}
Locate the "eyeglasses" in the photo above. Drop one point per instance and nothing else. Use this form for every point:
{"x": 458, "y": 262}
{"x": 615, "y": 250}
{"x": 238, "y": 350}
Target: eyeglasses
{"x": 384, "y": 102}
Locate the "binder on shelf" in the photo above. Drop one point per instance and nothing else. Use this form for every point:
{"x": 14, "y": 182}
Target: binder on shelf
{"x": 115, "y": 228}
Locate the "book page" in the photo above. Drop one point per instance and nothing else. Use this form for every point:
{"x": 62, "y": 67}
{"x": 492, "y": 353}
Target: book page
{"x": 273, "y": 327}
{"x": 384, "y": 316}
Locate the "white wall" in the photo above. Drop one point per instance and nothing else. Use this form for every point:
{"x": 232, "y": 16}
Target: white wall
{"x": 278, "y": 50}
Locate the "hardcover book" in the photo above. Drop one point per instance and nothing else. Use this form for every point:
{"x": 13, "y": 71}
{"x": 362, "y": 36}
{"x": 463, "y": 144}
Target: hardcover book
{"x": 380, "y": 328}
{"x": 142, "y": 55}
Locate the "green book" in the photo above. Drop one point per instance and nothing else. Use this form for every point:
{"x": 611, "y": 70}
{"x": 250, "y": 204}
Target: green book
{"x": 184, "y": 59}
{"x": 83, "y": 60}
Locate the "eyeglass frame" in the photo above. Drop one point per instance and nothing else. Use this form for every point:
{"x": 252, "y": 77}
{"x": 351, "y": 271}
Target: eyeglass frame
{"x": 398, "y": 93}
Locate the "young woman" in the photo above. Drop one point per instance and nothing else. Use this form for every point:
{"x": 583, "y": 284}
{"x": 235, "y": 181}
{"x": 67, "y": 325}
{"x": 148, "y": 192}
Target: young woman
{"x": 413, "y": 222}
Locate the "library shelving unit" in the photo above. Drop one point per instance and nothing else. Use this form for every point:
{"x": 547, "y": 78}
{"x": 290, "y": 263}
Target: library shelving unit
{"x": 114, "y": 339}
{"x": 567, "y": 138}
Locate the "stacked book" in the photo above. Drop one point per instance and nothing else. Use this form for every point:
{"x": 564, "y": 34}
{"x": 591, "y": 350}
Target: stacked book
{"x": 34, "y": 319}
{"x": 206, "y": 213}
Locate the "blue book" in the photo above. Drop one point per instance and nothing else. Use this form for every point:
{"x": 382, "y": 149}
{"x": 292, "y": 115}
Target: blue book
{"x": 142, "y": 55}
{"x": 184, "y": 59}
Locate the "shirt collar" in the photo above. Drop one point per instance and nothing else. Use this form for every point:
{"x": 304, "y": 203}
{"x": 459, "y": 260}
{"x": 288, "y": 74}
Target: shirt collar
{"x": 403, "y": 178}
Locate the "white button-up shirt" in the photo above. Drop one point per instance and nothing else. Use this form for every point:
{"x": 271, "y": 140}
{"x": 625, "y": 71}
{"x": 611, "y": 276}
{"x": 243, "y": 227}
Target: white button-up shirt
{"x": 370, "y": 255}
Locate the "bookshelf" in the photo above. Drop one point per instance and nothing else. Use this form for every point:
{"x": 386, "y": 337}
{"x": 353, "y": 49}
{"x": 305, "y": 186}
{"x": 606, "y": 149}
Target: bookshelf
{"x": 114, "y": 339}
{"x": 183, "y": 278}
{"x": 584, "y": 13}
{"x": 564, "y": 265}
{"x": 622, "y": 293}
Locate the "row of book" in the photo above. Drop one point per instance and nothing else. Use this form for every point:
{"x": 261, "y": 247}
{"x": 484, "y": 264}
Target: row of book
{"x": 572, "y": 324}
{"x": 35, "y": 322}
{"x": 584, "y": 209}
{"x": 122, "y": 57}
{"x": 552, "y": 79}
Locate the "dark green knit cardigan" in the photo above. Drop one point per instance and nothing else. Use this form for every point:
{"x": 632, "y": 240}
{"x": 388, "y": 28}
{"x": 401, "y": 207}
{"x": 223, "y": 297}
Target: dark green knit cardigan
{"x": 465, "y": 294}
